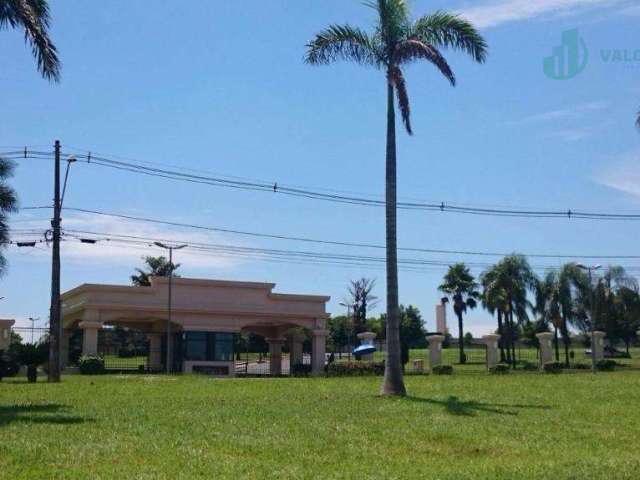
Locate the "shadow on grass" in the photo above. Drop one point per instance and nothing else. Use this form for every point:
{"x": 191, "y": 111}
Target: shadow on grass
{"x": 48, "y": 413}
{"x": 469, "y": 408}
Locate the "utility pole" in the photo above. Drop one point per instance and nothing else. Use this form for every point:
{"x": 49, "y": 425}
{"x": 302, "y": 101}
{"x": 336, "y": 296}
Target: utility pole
{"x": 169, "y": 352}
{"x": 54, "y": 315}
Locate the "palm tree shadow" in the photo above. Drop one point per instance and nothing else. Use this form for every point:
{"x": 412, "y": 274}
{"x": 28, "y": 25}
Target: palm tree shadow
{"x": 470, "y": 408}
{"x": 48, "y": 413}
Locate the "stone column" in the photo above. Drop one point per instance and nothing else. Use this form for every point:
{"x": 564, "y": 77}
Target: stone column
{"x": 5, "y": 333}
{"x": 296, "y": 355}
{"x": 275, "y": 355}
{"x": 597, "y": 345}
{"x": 491, "y": 341}
{"x": 90, "y": 336}
{"x": 155, "y": 351}
{"x": 546, "y": 351}
{"x": 318, "y": 351}
{"x": 64, "y": 348}
{"x": 366, "y": 338}
{"x": 435, "y": 349}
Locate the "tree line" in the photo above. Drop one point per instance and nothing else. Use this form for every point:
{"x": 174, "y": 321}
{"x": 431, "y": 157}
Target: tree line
{"x": 560, "y": 301}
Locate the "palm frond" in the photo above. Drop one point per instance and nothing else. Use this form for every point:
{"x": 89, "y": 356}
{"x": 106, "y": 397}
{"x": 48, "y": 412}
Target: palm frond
{"x": 33, "y": 16}
{"x": 442, "y": 29}
{"x": 393, "y": 19}
{"x": 412, "y": 50}
{"x": 341, "y": 42}
{"x": 403, "y": 97}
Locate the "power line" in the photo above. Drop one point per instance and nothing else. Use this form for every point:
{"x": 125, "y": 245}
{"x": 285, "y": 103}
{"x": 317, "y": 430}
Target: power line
{"x": 335, "y": 242}
{"x": 286, "y": 256}
{"x": 278, "y": 188}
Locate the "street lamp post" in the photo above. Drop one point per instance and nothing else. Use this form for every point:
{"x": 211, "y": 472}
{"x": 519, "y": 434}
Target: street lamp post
{"x": 171, "y": 248}
{"x": 590, "y": 269}
{"x": 33, "y": 322}
{"x": 349, "y": 307}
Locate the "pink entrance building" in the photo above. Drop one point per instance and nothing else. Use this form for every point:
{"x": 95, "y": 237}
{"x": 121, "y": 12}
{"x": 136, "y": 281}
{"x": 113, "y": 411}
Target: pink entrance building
{"x": 205, "y": 314}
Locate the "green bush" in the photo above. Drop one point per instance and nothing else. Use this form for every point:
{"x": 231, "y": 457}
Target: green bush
{"x": 442, "y": 370}
{"x": 9, "y": 366}
{"x": 607, "y": 365}
{"x": 553, "y": 367}
{"x": 499, "y": 369}
{"x": 581, "y": 366}
{"x": 91, "y": 365}
{"x": 355, "y": 369}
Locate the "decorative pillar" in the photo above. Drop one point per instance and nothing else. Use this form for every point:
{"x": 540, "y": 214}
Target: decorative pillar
{"x": 546, "y": 350}
{"x": 5, "y": 333}
{"x": 597, "y": 345}
{"x": 275, "y": 355}
{"x": 318, "y": 351}
{"x": 90, "y": 336}
{"x": 296, "y": 355}
{"x": 155, "y": 351}
{"x": 435, "y": 349}
{"x": 366, "y": 338}
{"x": 64, "y": 348}
{"x": 491, "y": 341}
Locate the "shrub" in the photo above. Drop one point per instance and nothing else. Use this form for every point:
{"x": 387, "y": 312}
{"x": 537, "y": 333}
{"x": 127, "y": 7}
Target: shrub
{"x": 442, "y": 370}
{"x": 553, "y": 367}
{"x": 32, "y": 355}
{"x": 581, "y": 366}
{"x": 351, "y": 369}
{"x": 499, "y": 369}
{"x": 300, "y": 370}
{"x": 9, "y": 366}
{"x": 91, "y": 365}
{"x": 529, "y": 366}
{"x": 607, "y": 365}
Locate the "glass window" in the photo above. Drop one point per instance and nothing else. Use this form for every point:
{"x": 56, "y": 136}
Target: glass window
{"x": 224, "y": 347}
{"x": 195, "y": 346}
{"x": 208, "y": 346}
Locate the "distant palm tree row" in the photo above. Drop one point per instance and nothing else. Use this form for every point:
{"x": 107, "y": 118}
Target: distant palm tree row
{"x": 561, "y": 300}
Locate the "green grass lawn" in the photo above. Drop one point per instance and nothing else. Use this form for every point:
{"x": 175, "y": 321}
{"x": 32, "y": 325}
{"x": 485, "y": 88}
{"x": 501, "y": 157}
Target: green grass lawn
{"x": 460, "y": 427}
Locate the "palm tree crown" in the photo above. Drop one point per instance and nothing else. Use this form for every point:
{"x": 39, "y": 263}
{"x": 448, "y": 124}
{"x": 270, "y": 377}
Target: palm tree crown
{"x": 33, "y": 17}
{"x": 8, "y": 204}
{"x": 398, "y": 41}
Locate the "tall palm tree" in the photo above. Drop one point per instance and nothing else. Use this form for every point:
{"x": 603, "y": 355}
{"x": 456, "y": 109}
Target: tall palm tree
{"x": 8, "y": 204}
{"x": 462, "y": 290}
{"x": 493, "y": 300}
{"x": 548, "y": 304}
{"x": 33, "y": 17}
{"x": 395, "y": 42}
{"x": 508, "y": 283}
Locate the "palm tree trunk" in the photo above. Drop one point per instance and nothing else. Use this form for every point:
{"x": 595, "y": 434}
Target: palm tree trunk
{"x": 567, "y": 340}
{"x": 501, "y": 333}
{"x": 556, "y": 344}
{"x": 393, "y": 383}
{"x": 461, "y": 339}
{"x": 512, "y": 339}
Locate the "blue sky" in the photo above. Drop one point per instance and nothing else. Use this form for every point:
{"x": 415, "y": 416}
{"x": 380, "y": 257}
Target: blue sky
{"x": 221, "y": 86}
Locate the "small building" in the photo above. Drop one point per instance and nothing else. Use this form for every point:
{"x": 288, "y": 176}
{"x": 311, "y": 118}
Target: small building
{"x": 205, "y": 315}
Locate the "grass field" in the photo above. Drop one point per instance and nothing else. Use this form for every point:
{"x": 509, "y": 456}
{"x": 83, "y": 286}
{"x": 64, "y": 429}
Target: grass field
{"x": 459, "y": 427}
